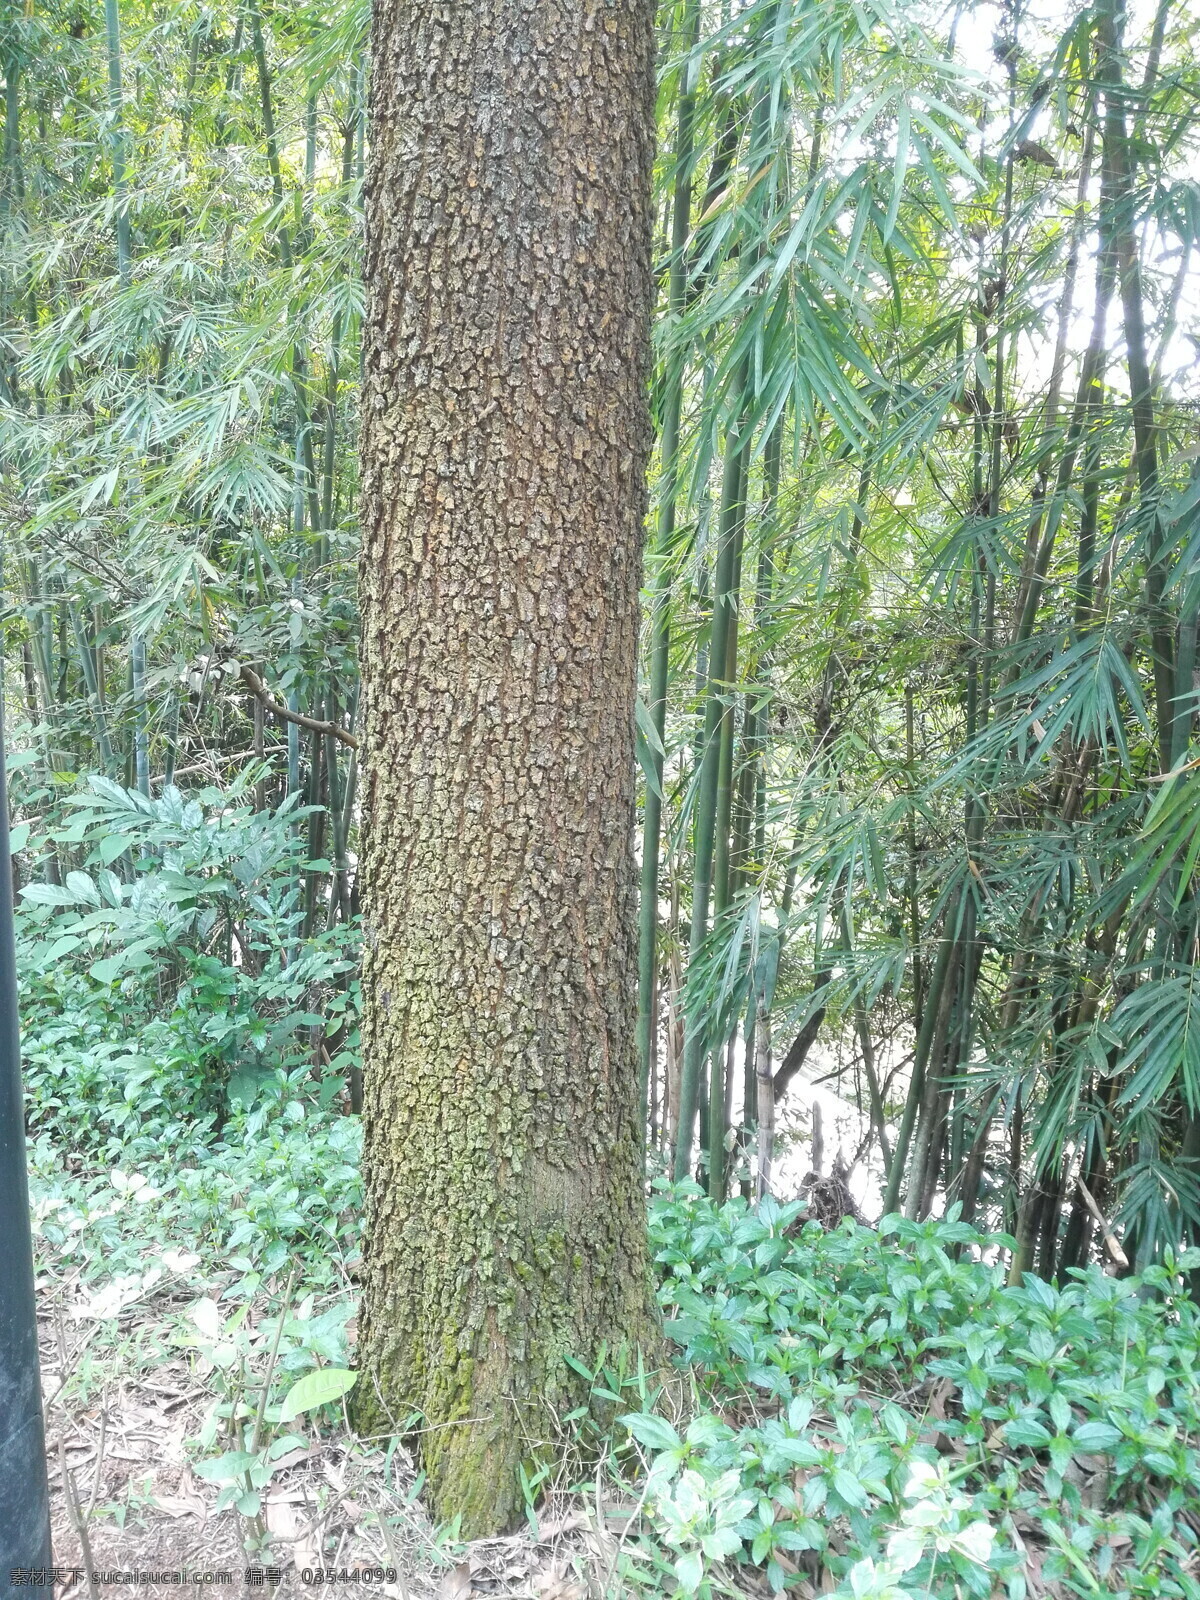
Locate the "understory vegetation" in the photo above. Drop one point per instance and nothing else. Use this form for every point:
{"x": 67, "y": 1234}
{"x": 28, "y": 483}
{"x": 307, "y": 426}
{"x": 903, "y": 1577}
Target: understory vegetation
{"x": 920, "y": 813}
{"x": 871, "y": 1413}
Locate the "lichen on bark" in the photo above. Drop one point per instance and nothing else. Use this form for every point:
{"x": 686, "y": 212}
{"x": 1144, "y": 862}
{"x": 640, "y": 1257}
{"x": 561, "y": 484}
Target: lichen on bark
{"x": 505, "y": 435}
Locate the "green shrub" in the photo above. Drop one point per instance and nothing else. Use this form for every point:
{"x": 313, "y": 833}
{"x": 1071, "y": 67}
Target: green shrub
{"x": 879, "y": 1409}
{"x": 158, "y": 999}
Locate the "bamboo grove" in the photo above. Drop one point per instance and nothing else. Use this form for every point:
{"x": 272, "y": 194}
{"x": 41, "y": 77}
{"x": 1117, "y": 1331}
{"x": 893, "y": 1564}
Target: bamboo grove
{"x": 917, "y": 727}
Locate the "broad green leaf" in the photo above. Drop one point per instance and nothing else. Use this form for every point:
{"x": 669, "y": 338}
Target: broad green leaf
{"x": 49, "y": 894}
{"x": 227, "y": 1468}
{"x": 315, "y": 1389}
{"x": 655, "y": 1432}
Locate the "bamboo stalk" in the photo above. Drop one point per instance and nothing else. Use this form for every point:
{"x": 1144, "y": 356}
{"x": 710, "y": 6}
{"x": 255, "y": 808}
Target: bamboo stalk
{"x": 1119, "y": 164}
{"x": 286, "y": 256}
{"x": 1090, "y": 370}
{"x": 87, "y": 663}
{"x": 112, "y": 30}
{"x": 754, "y": 742}
{"x": 946, "y": 947}
{"x": 724, "y": 601}
{"x": 722, "y": 884}
{"x": 660, "y": 607}
{"x": 765, "y": 1119}
{"x": 141, "y": 735}
{"x": 863, "y": 1029}
{"x": 926, "y": 1150}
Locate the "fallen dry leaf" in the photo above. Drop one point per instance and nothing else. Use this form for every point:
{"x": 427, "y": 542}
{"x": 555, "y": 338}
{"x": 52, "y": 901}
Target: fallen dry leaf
{"x": 939, "y": 1395}
{"x": 555, "y": 1583}
{"x": 283, "y": 1518}
{"x": 187, "y": 1501}
{"x": 568, "y": 1524}
{"x": 457, "y": 1585}
{"x": 176, "y": 1505}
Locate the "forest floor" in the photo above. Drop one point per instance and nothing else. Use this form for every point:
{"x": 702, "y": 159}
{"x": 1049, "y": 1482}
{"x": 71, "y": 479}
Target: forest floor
{"x": 125, "y": 1499}
{"x": 906, "y": 1410}
{"x": 130, "y": 1394}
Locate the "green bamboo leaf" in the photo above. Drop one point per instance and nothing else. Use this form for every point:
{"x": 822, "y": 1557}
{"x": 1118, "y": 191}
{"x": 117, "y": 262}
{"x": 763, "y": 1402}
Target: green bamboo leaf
{"x": 900, "y": 169}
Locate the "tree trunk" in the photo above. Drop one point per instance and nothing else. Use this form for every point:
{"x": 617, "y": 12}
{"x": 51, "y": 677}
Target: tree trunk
{"x": 504, "y": 447}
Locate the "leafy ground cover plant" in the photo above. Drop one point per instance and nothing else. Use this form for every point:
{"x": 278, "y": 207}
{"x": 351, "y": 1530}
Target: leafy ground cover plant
{"x": 877, "y": 1412}
{"x": 273, "y": 1193}
{"x": 871, "y": 1413}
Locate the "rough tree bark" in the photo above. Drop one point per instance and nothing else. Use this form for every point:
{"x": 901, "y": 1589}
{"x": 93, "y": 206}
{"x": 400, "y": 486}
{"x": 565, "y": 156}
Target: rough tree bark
{"x": 505, "y": 436}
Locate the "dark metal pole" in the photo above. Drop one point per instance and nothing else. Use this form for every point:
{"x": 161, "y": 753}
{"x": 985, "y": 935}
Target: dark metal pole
{"x": 24, "y": 1497}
